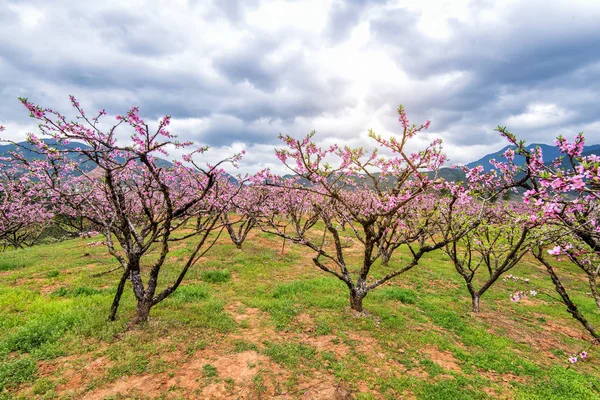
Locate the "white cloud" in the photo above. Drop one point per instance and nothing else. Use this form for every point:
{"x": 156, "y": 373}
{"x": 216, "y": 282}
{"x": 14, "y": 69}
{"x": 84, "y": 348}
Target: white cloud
{"x": 29, "y": 16}
{"x": 540, "y": 115}
{"x": 242, "y": 72}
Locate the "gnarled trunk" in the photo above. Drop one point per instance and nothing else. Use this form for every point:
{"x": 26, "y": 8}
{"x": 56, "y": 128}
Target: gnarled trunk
{"x": 356, "y": 299}
{"x": 143, "y": 311}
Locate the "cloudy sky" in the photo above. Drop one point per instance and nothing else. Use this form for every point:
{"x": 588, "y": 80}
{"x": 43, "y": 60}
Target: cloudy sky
{"x": 234, "y": 74}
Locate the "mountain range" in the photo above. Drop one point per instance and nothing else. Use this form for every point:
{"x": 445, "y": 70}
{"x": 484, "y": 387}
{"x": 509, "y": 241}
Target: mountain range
{"x": 550, "y": 152}
{"x": 29, "y": 153}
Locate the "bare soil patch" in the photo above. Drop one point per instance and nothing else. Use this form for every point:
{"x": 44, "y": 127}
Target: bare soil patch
{"x": 444, "y": 359}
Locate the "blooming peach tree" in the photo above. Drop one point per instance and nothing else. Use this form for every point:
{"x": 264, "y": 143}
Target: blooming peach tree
{"x": 382, "y": 200}
{"x": 23, "y": 216}
{"x": 126, "y": 192}
{"x": 483, "y": 255}
{"x": 566, "y": 193}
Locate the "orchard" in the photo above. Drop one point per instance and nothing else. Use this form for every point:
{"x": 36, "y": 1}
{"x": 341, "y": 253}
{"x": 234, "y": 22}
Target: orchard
{"x": 364, "y": 219}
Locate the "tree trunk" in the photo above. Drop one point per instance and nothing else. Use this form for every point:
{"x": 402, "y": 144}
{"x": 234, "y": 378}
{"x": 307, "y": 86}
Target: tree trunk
{"x": 571, "y": 307}
{"x": 117, "y": 299}
{"x": 475, "y": 294}
{"x": 385, "y": 258}
{"x": 143, "y": 311}
{"x": 238, "y": 245}
{"x": 356, "y": 300}
{"x": 475, "y": 303}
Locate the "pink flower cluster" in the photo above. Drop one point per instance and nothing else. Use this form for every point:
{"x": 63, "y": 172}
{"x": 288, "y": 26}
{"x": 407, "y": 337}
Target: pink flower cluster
{"x": 520, "y": 295}
{"x": 575, "y": 358}
{"x": 515, "y": 278}
{"x": 88, "y": 234}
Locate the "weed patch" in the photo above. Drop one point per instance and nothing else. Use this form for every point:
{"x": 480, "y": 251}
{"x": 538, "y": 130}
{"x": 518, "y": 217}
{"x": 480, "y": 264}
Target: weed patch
{"x": 14, "y": 372}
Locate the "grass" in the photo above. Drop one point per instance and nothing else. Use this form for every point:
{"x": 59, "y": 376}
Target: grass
{"x": 259, "y": 323}
{"x": 216, "y": 276}
{"x": 404, "y": 296}
{"x": 290, "y": 354}
{"x": 209, "y": 371}
{"x": 15, "y": 372}
{"x": 10, "y": 265}
{"x": 190, "y": 294}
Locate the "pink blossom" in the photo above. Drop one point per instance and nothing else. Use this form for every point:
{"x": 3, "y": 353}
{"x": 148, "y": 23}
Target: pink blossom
{"x": 555, "y": 251}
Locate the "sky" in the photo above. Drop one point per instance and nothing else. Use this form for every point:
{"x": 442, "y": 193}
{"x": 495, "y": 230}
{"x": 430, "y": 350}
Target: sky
{"x": 235, "y": 74}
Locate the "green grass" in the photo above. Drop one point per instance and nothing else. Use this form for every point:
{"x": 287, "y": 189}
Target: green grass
{"x": 405, "y": 296}
{"x": 209, "y": 371}
{"x": 450, "y": 389}
{"x": 241, "y": 346}
{"x": 15, "y": 372}
{"x": 291, "y": 355}
{"x": 216, "y": 276}
{"x": 288, "y": 324}
{"x": 10, "y": 265}
{"x": 76, "y": 292}
{"x": 190, "y": 294}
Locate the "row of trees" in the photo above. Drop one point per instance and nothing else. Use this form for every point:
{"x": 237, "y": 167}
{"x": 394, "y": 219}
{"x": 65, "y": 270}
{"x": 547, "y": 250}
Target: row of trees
{"x": 340, "y": 199}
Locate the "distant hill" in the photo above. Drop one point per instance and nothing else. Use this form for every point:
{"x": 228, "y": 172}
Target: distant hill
{"x": 85, "y": 164}
{"x": 549, "y": 152}
{"x": 449, "y": 174}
